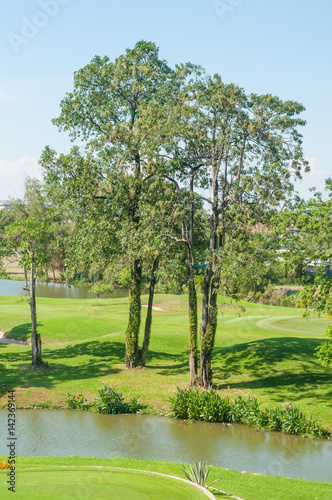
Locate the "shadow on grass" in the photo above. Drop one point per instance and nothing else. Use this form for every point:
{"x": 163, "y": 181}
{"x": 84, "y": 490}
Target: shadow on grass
{"x": 99, "y": 359}
{"x": 177, "y": 364}
{"x": 279, "y": 362}
{"x": 79, "y": 361}
{"x": 21, "y": 332}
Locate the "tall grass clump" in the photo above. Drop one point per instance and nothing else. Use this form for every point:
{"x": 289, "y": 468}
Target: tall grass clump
{"x": 109, "y": 400}
{"x": 209, "y": 406}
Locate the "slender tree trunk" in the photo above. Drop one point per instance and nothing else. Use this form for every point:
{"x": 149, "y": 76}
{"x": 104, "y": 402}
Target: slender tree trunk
{"x": 25, "y": 278}
{"x": 209, "y": 303}
{"x": 36, "y": 343}
{"x": 192, "y": 331}
{"x": 134, "y": 322}
{"x": 148, "y": 321}
{"x": 192, "y": 291}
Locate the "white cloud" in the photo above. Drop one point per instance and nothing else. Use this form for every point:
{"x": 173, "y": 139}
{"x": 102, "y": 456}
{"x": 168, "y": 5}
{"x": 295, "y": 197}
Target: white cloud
{"x": 13, "y": 174}
{"x": 315, "y": 178}
{"x": 313, "y": 161}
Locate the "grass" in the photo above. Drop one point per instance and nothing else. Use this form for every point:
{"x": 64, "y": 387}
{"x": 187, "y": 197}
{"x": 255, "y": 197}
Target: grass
{"x": 68, "y": 477}
{"x": 267, "y": 351}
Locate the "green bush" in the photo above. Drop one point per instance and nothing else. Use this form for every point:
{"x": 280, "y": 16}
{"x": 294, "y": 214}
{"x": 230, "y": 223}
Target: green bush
{"x": 198, "y": 404}
{"x": 79, "y": 403}
{"x": 109, "y": 400}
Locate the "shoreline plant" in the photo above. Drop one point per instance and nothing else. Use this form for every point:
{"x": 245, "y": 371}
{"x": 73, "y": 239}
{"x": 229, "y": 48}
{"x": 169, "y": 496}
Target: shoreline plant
{"x": 209, "y": 406}
{"x": 108, "y": 401}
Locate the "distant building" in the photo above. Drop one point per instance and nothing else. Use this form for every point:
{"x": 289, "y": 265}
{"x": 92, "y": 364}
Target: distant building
{"x": 4, "y": 204}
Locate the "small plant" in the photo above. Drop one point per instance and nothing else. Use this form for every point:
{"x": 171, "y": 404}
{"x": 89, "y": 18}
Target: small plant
{"x": 135, "y": 405}
{"x": 198, "y": 474}
{"x": 109, "y": 400}
{"x": 79, "y": 403}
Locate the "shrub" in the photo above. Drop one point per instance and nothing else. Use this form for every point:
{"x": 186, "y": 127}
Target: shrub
{"x": 110, "y": 401}
{"x": 197, "y": 404}
{"x": 102, "y": 290}
{"x": 81, "y": 403}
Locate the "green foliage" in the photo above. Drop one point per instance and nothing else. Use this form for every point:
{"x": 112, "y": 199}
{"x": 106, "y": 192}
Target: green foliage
{"x": 102, "y": 289}
{"x": 197, "y": 404}
{"x": 198, "y": 473}
{"x": 79, "y": 403}
{"x": 317, "y": 297}
{"x": 110, "y": 401}
{"x": 3, "y": 274}
{"x": 324, "y": 351}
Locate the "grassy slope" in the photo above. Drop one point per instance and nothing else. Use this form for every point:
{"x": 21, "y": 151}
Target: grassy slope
{"x": 247, "y": 486}
{"x": 268, "y": 351}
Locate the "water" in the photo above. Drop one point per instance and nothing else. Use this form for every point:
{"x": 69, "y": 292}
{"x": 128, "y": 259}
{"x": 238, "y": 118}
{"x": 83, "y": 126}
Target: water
{"x": 69, "y": 432}
{"x": 54, "y": 290}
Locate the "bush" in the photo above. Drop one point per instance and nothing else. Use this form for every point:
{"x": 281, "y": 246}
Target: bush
{"x": 110, "y": 401}
{"x": 198, "y": 404}
{"x": 81, "y": 403}
{"x": 102, "y": 290}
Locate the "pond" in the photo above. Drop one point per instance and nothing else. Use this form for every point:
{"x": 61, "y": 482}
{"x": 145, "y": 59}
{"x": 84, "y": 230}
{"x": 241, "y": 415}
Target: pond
{"x": 69, "y": 432}
{"x": 54, "y": 290}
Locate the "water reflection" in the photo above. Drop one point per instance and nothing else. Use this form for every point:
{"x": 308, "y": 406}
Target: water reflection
{"x": 54, "y": 290}
{"x": 66, "y": 432}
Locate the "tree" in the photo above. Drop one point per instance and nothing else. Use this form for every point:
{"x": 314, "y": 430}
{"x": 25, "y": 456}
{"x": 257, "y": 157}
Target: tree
{"x": 312, "y": 243}
{"x": 29, "y": 238}
{"x": 249, "y": 148}
{"x": 106, "y": 109}
{"x": 246, "y": 149}
{"x": 34, "y": 204}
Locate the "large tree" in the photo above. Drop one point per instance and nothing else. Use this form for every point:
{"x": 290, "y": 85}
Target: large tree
{"x": 247, "y": 150}
{"x": 106, "y": 110}
{"x": 252, "y": 149}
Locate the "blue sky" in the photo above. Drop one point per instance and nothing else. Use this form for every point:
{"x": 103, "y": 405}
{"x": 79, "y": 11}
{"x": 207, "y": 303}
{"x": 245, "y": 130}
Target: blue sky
{"x": 279, "y": 47}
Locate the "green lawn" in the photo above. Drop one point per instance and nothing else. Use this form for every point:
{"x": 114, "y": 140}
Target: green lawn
{"x": 268, "y": 351}
{"x": 78, "y": 477}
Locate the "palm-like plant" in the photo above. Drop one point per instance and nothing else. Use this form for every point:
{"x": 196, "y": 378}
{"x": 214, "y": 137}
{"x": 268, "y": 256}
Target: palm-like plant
{"x": 198, "y": 474}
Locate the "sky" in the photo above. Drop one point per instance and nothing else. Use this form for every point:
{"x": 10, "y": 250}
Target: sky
{"x": 280, "y": 47}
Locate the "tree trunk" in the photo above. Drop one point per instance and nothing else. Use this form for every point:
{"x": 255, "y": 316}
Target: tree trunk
{"x": 192, "y": 331}
{"x": 148, "y": 320}
{"x": 209, "y": 303}
{"x": 192, "y": 291}
{"x": 207, "y": 340}
{"x": 36, "y": 343}
{"x": 134, "y": 322}
{"x": 25, "y": 278}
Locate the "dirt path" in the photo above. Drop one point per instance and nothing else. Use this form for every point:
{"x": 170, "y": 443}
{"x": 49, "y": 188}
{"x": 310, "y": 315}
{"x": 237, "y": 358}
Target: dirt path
{"x": 7, "y": 340}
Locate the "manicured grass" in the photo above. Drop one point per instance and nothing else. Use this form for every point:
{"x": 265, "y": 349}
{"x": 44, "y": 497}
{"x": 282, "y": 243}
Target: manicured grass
{"x": 267, "y": 351}
{"x": 46, "y": 477}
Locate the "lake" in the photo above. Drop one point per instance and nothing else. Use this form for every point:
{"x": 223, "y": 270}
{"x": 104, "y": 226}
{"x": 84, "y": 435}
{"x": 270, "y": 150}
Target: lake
{"x": 54, "y": 290}
{"x": 145, "y": 437}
